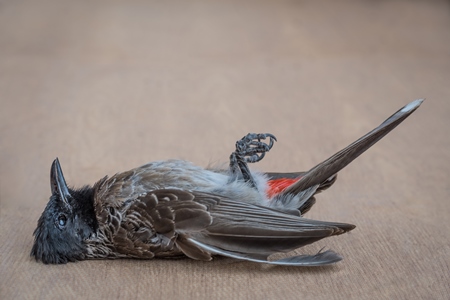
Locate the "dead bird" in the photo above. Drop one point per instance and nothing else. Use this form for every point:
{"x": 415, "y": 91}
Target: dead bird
{"x": 173, "y": 208}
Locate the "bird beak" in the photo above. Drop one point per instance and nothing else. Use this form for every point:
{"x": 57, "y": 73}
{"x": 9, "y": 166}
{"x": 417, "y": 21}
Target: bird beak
{"x": 58, "y": 183}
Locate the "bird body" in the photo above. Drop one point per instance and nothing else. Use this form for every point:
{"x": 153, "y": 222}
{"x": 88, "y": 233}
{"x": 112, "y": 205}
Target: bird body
{"x": 173, "y": 208}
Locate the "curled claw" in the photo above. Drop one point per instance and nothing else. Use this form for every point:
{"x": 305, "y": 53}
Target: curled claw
{"x": 272, "y": 138}
{"x": 259, "y": 136}
{"x": 250, "y": 148}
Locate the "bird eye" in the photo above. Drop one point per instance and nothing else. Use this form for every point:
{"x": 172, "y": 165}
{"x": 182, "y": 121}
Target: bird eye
{"x": 62, "y": 220}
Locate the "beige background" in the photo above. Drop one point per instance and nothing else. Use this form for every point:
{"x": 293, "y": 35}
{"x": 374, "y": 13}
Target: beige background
{"x": 109, "y": 85}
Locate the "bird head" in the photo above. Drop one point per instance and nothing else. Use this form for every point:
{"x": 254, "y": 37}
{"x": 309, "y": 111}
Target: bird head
{"x": 67, "y": 221}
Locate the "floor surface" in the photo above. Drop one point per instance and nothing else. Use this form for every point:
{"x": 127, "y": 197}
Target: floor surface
{"x": 109, "y": 85}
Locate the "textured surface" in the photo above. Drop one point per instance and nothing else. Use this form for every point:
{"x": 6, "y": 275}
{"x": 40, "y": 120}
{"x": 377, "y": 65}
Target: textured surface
{"x": 107, "y": 86}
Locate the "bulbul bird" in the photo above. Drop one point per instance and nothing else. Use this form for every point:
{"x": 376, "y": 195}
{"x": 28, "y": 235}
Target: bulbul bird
{"x": 173, "y": 208}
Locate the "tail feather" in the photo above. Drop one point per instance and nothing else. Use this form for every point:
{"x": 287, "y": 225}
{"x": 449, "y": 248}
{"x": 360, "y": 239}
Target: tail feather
{"x": 323, "y": 171}
{"x": 319, "y": 259}
{"x": 294, "y": 192}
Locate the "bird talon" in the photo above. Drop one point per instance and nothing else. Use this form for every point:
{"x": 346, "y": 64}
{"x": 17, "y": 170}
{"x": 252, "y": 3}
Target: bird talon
{"x": 250, "y": 149}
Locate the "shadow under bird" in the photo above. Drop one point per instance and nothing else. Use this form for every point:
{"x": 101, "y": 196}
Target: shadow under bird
{"x": 172, "y": 208}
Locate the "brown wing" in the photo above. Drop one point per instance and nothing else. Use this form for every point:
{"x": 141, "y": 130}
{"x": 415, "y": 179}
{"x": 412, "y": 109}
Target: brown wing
{"x": 150, "y": 225}
{"x": 200, "y": 224}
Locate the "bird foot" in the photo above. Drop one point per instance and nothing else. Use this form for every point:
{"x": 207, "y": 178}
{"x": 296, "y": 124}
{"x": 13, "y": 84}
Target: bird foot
{"x": 249, "y": 149}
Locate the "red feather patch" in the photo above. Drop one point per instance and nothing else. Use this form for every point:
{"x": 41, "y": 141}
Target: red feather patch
{"x": 278, "y": 185}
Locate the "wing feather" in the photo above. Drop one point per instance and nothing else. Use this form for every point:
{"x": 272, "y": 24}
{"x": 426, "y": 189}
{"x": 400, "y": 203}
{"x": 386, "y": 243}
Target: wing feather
{"x": 204, "y": 223}
{"x": 199, "y": 225}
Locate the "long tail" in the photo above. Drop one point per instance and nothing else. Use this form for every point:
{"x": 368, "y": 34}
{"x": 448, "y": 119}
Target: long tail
{"x": 326, "y": 170}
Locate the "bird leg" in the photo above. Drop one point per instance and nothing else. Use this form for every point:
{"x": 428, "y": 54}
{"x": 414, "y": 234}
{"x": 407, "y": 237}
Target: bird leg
{"x": 249, "y": 149}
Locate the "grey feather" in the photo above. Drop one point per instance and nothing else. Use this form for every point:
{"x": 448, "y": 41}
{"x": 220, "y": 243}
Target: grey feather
{"x": 319, "y": 259}
{"x": 338, "y": 161}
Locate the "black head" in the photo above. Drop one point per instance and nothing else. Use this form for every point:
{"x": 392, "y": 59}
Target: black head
{"x": 67, "y": 221}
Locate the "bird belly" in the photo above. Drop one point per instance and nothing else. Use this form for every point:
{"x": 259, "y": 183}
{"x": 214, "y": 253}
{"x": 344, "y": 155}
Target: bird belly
{"x": 180, "y": 174}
